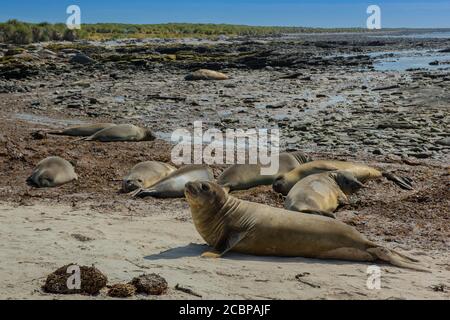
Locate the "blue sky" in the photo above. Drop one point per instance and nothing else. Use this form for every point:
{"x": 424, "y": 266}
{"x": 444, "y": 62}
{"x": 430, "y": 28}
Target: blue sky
{"x": 319, "y": 13}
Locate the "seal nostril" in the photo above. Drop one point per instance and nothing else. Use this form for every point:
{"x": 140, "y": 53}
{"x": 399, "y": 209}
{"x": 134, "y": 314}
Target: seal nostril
{"x": 205, "y": 187}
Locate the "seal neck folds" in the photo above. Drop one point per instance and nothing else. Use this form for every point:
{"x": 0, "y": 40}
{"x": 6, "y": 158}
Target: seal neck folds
{"x": 216, "y": 223}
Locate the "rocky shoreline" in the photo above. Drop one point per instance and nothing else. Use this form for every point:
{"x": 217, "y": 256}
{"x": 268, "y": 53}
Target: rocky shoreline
{"x": 323, "y": 91}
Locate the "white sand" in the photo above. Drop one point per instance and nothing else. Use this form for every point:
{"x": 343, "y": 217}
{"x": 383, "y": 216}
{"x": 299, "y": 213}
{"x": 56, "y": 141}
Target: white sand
{"x": 37, "y": 239}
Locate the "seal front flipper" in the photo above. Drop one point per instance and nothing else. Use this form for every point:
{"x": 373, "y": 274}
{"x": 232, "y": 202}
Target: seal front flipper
{"x": 211, "y": 254}
{"x": 229, "y": 240}
{"x": 402, "y": 182}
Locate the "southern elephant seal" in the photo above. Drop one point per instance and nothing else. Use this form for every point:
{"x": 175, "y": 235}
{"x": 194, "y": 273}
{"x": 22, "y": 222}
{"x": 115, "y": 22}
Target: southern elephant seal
{"x": 82, "y": 131}
{"x": 227, "y": 223}
{"x": 246, "y": 176}
{"x": 322, "y": 193}
{"x": 205, "y": 74}
{"x": 52, "y": 172}
{"x": 122, "y": 132}
{"x": 172, "y": 186}
{"x": 145, "y": 175}
{"x": 284, "y": 182}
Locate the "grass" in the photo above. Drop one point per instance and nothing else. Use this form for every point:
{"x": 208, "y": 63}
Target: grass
{"x": 17, "y": 32}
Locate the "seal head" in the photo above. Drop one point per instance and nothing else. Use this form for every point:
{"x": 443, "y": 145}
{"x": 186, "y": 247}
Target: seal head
{"x": 347, "y": 182}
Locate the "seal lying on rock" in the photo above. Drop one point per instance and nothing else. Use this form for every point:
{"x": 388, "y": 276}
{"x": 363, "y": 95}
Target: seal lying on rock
{"x": 322, "y": 193}
{"x": 227, "y": 223}
{"x": 145, "y": 175}
{"x": 82, "y": 131}
{"x": 172, "y": 186}
{"x": 246, "y": 176}
{"x": 284, "y": 182}
{"x": 122, "y": 132}
{"x": 205, "y": 74}
{"x": 52, "y": 172}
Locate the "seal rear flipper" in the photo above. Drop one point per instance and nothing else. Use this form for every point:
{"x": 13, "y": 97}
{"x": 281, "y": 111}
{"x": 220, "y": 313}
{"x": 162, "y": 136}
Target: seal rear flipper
{"x": 402, "y": 182}
{"x": 396, "y": 259}
{"x": 320, "y": 213}
{"x": 82, "y": 139}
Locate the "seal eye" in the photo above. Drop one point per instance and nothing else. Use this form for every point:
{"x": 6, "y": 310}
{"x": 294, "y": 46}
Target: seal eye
{"x": 205, "y": 187}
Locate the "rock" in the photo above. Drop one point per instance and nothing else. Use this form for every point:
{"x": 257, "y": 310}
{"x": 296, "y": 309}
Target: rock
{"x": 276, "y": 105}
{"x": 421, "y": 155}
{"x": 444, "y": 142}
{"x": 81, "y": 58}
{"x": 397, "y": 125}
{"x": 39, "y": 135}
{"x": 395, "y": 86}
{"x": 377, "y": 152}
{"x": 121, "y": 290}
{"x": 150, "y": 284}
{"x": 45, "y": 53}
{"x": 92, "y": 281}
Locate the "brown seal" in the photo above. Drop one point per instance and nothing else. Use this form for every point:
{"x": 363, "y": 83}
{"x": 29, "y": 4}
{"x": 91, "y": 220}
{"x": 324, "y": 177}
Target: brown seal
{"x": 322, "y": 193}
{"x": 172, "y": 186}
{"x": 82, "y": 131}
{"x": 246, "y": 176}
{"x": 229, "y": 224}
{"x": 205, "y": 74}
{"x": 52, "y": 172}
{"x": 146, "y": 174}
{"x": 122, "y": 132}
{"x": 284, "y": 182}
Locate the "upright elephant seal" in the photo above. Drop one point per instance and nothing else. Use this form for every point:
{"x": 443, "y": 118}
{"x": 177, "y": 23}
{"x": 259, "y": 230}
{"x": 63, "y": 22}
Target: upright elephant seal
{"x": 82, "y": 131}
{"x": 284, "y": 182}
{"x": 227, "y": 223}
{"x": 205, "y": 74}
{"x": 322, "y": 193}
{"x": 122, "y": 132}
{"x": 145, "y": 175}
{"x": 172, "y": 186}
{"x": 52, "y": 172}
{"x": 246, "y": 176}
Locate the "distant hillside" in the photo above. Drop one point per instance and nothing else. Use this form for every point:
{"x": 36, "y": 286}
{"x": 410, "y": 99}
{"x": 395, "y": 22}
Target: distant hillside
{"x": 14, "y": 31}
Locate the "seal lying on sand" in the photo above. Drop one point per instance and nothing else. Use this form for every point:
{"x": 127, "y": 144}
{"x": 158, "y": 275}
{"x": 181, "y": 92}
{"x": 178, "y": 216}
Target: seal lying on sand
{"x": 205, "y": 74}
{"x": 246, "y": 176}
{"x": 284, "y": 183}
{"x": 322, "y": 193}
{"x": 82, "y": 131}
{"x": 145, "y": 175}
{"x": 172, "y": 186}
{"x": 52, "y": 172}
{"x": 121, "y": 132}
{"x": 227, "y": 223}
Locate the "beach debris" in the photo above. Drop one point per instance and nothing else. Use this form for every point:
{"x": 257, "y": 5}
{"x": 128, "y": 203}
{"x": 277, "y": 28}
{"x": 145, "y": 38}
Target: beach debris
{"x": 121, "y": 290}
{"x": 152, "y": 284}
{"x": 90, "y": 283}
{"x": 187, "y": 290}
{"x": 299, "y": 277}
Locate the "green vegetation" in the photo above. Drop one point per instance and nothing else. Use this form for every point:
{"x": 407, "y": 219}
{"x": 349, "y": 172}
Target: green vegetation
{"x": 17, "y": 32}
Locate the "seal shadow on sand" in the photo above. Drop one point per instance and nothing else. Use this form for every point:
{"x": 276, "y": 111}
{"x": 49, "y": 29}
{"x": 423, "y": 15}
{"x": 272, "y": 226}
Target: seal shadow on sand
{"x": 195, "y": 250}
